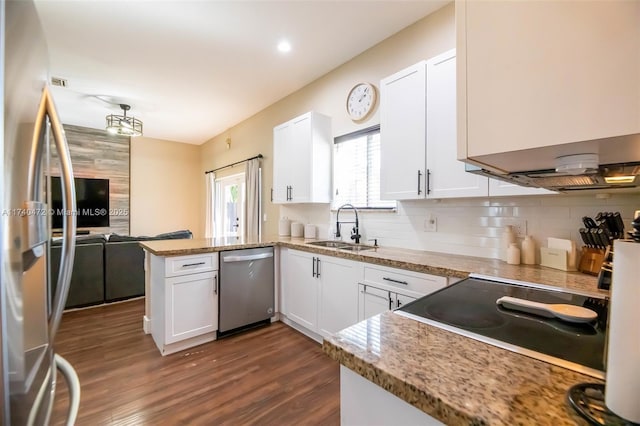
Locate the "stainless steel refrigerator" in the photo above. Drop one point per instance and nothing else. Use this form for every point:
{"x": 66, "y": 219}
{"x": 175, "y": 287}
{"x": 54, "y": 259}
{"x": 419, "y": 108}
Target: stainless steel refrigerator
{"x": 30, "y": 311}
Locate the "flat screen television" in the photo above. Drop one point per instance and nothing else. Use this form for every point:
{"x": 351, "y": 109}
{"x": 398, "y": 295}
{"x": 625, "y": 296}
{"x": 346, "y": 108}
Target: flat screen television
{"x": 92, "y": 199}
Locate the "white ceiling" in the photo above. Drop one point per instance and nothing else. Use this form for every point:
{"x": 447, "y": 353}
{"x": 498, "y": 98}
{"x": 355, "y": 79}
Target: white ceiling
{"x": 192, "y": 69}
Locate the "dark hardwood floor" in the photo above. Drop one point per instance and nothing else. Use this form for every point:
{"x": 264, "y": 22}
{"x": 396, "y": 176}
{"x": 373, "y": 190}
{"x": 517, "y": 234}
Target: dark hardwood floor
{"x": 268, "y": 376}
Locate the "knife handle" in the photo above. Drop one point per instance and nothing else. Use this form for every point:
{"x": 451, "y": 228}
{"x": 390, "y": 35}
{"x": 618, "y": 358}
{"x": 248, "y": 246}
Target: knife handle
{"x": 583, "y": 235}
{"x": 619, "y": 224}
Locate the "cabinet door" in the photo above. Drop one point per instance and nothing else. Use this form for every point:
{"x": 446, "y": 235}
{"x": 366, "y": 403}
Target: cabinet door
{"x": 499, "y": 188}
{"x": 403, "y": 134}
{"x": 447, "y": 176}
{"x": 338, "y": 307}
{"x": 302, "y": 289}
{"x": 399, "y": 300}
{"x": 372, "y": 301}
{"x": 299, "y": 155}
{"x": 191, "y": 306}
{"x": 537, "y": 73}
{"x": 281, "y": 162}
{"x": 302, "y": 160}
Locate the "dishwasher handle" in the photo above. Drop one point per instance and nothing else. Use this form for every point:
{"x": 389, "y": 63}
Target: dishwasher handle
{"x": 230, "y": 259}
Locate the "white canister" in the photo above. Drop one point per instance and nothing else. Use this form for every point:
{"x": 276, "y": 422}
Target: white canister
{"x": 309, "y": 231}
{"x": 513, "y": 254}
{"x": 297, "y": 230}
{"x": 284, "y": 227}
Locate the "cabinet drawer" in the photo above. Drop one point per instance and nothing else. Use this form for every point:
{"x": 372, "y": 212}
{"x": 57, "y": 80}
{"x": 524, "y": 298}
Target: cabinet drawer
{"x": 398, "y": 280}
{"x": 184, "y": 265}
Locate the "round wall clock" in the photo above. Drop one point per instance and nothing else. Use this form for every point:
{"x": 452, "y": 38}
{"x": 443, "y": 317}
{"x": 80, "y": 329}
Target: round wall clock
{"x": 361, "y": 101}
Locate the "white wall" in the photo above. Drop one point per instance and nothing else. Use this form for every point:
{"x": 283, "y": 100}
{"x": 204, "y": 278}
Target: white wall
{"x": 428, "y": 37}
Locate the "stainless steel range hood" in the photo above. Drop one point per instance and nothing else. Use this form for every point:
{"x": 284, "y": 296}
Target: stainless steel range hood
{"x": 611, "y": 163}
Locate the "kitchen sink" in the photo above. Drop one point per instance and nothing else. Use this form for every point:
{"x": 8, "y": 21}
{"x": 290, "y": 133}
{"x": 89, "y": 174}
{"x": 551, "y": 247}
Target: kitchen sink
{"x": 331, "y": 244}
{"x": 356, "y": 247}
{"x": 341, "y": 245}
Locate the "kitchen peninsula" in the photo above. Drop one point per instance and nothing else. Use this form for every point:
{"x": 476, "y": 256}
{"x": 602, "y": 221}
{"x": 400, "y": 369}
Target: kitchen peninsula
{"x": 443, "y": 375}
{"x": 438, "y": 375}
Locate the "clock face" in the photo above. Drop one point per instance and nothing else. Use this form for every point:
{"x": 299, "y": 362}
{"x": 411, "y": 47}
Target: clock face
{"x": 361, "y": 100}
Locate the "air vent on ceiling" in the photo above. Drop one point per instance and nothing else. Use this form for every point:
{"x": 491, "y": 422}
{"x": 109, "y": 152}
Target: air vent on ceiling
{"x": 57, "y": 81}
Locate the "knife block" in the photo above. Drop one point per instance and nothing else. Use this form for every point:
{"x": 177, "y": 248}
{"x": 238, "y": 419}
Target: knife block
{"x": 591, "y": 260}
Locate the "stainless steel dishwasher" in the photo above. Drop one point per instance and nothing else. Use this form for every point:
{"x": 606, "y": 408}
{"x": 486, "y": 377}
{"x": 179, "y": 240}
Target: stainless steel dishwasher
{"x": 246, "y": 295}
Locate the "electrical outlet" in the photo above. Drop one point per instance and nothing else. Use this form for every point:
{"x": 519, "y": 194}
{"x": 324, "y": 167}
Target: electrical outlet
{"x": 519, "y": 227}
{"x": 430, "y": 223}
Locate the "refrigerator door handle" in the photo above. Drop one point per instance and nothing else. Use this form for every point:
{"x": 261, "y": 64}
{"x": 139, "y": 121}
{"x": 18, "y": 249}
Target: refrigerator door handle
{"x": 48, "y": 109}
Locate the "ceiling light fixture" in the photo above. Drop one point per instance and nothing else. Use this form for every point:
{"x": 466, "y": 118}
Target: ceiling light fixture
{"x": 123, "y": 125}
{"x": 284, "y": 46}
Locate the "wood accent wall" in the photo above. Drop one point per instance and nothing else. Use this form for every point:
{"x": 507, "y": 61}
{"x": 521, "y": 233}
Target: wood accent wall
{"x": 100, "y": 155}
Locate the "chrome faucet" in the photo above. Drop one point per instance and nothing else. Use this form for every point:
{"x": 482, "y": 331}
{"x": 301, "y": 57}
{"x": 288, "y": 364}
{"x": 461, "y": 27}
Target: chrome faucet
{"x": 355, "y": 235}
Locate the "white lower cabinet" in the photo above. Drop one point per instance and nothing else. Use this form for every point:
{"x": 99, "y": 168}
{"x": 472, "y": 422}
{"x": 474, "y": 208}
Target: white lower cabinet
{"x": 191, "y": 306}
{"x": 373, "y": 301}
{"x": 338, "y": 294}
{"x": 302, "y": 289}
{"x": 386, "y": 288}
{"x": 320, "y": 292}
{"x": 184, "y": 301}
{"x": 322, "y": 295}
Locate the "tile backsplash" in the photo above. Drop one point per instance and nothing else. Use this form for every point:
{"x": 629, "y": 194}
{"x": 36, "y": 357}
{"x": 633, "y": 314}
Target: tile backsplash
{"x": 471, "y": 226}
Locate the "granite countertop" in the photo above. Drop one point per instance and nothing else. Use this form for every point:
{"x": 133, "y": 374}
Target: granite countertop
{"x": 442, "y": 264}
{"x": 169, "y": 248}
{"x": 457, "y": 380}
{"x": 453, "y": 378}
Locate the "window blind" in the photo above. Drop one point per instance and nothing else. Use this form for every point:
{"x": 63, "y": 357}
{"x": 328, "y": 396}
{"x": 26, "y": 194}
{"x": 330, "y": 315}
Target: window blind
{"x": 356, "y": 170}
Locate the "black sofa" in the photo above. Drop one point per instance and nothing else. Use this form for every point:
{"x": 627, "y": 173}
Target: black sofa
{"x": 106, "y": 270}
{"x": 87, "y": 276}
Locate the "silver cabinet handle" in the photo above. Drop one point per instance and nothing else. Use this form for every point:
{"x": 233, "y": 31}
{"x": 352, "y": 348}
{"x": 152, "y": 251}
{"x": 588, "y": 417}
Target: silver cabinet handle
{"x": 48, "y": 109}
{"x": 231, "y": 259}
{"x": 313, "y": 267}
{"x": 419, "y": 187}
{"x": 428, "y": 181}
{"x": 317, "y": 267}
{"x": 215, "y": 285}
{"x": 395, "y": 281}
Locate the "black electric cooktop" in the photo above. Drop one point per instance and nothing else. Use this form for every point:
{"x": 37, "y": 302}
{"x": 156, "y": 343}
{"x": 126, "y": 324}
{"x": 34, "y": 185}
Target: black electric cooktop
{"x": 469, "y": 308}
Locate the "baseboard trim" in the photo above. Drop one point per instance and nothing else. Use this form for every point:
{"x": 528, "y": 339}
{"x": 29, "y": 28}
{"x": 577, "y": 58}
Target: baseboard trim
{"x": 313, "y": 335}
{"x": 146, "y": 324}
{"x": 171, "y": 348}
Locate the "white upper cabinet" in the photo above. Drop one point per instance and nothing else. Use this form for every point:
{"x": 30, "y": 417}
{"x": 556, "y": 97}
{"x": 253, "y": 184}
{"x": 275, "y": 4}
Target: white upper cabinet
{"x": 446, "y": 175}
{"x": 418, "y": 134}
{"x": 302, "y": 160}
{"x": 535, "y": 74}
{"x": 403, "y": 134}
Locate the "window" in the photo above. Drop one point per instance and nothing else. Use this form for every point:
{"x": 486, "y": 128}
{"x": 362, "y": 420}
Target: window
{"x": 356, "y": 170}
{"x": 229, "y": 214}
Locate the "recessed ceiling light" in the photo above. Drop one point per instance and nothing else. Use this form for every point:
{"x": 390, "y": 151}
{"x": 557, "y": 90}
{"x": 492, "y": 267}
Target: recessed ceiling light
{"x": 284, "y": 46}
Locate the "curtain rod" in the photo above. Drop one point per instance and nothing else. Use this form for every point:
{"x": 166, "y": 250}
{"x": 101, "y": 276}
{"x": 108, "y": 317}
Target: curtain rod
{"x": 233, "y": 164}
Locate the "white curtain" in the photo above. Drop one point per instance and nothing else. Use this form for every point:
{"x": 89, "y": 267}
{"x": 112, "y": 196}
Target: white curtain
{"x": 209, "y": 211}
{"x": 253, "y": 200}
